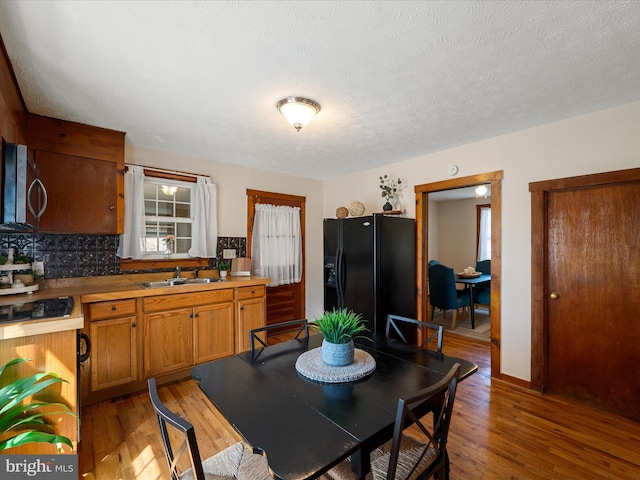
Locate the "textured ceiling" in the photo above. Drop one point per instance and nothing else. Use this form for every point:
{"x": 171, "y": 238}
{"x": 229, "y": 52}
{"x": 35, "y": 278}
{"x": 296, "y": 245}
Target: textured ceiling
{"x": 395, "y": 79}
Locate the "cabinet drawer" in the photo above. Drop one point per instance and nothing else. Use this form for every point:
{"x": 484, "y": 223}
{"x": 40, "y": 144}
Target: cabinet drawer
{"x": 182, "y": 300}
{"x": 251, "y": 292}
{"x": 116, "y": 308}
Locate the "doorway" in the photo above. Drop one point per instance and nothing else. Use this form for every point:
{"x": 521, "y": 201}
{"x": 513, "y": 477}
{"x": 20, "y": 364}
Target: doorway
{"x": 422, "y": 248}
{"x": 284, "y": 302}
{"x": 585, "y": 289}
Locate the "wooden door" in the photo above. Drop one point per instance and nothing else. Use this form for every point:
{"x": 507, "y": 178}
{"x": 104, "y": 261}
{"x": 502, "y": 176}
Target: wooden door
{"x": 591, "y": 299}
{"x": 284, "y": 302}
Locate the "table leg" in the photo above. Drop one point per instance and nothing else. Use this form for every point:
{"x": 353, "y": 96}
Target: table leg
{"x": 360, "y": 464}
{"x": 473, "y": 310}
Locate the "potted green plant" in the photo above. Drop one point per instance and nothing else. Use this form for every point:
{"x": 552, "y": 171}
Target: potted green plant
{"x": 339, "y": 328}
{"x": 388, "y": 187}
{"x": 223, "y": 268}
{"x": 27, "y": 420}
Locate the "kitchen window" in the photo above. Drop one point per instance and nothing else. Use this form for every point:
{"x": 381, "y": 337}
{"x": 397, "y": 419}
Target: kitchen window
{"x": 167, "y": 215}
{"x": 170, "y": 219}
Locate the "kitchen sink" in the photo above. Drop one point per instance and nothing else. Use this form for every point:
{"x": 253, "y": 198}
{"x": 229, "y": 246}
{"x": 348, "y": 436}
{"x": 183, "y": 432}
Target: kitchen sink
{"x": 174, "y": 282}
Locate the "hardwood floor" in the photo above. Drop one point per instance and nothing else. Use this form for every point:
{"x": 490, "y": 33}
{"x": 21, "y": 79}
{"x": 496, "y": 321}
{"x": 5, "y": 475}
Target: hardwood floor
{"x": 499, "y": 432}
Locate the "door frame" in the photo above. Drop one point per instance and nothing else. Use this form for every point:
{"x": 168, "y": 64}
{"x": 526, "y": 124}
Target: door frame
{"x": 422, "y": 248}
{"x": 259, "y": 196}
{"x": 539, "y": 299}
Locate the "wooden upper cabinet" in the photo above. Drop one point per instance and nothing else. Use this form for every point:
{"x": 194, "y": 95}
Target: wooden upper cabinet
{"x": 71, "y": 138}
{"x": 82, "y": 168}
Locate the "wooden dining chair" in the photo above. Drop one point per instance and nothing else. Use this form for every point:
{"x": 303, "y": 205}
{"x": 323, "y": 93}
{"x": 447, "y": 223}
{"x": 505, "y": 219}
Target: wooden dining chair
{"x": 408, "y": 457}
{"x": 393, "y": 330}
{"x": 236, "y": 461}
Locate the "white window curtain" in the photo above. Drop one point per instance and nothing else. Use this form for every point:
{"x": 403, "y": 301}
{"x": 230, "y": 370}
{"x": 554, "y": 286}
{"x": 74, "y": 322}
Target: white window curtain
{"x": 204, "y": 234}
{"x": 484, "y": 238}
{"x": 276, "y": 250}
{"x": 132, "y": 240}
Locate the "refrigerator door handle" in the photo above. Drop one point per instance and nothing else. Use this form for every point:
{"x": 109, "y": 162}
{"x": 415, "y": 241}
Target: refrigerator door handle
{"x": 339, "y": 278}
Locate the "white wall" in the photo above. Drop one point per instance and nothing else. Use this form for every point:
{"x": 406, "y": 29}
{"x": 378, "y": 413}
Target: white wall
{"x": 456, "y": 233}
{"x": 598, "y": 142}
{"x": 231, "y": 183}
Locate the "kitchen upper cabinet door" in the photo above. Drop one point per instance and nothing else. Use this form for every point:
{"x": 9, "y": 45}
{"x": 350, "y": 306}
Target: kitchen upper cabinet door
{"x": 168, "y": 341}
{"x": 83, "y": 194}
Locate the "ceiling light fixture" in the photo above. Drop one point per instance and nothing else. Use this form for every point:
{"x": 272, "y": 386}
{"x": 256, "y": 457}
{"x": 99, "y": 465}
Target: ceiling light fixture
{"x": 481, "y": 191}
{"x": 298, "y": 110}
{"x": 169, "y": 190}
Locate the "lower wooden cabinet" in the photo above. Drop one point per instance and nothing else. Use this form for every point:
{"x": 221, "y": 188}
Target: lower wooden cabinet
{"x": 176, "y": 338}
{"x": 114, "y": 356}
{"x": 164, "y": 336}
{"x": 168, "y": 341}
{"x": 251, "y": 314}
{"x": 113, "y": 332}
{"x": 213, "y": 333}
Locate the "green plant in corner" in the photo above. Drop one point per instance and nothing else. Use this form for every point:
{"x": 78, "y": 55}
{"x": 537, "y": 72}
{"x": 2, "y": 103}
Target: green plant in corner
{"x": 25, "y": 419}
{"x": 223, "y": 266}
{"x": 340, "y": 326}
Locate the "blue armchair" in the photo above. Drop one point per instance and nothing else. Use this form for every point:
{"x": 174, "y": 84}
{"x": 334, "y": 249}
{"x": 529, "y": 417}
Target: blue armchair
{"x": 443, "y": 293}
{"x": 482, "y": 292}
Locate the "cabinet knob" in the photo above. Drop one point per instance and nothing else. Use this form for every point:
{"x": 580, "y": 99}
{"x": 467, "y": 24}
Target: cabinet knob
{"x": 113, "y": 308}
{"x": 133, "y": 325}
{"x": 112, "y": 207}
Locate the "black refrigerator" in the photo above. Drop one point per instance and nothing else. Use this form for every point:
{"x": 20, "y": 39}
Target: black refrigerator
{"x": 370, "y": 267}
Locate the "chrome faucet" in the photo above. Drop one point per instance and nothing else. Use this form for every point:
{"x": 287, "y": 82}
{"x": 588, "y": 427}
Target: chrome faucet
{"x": 178, "y": 270}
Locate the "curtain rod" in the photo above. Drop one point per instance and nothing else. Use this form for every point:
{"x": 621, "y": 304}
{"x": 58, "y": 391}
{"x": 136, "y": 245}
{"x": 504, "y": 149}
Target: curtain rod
{"x": 163, "y": 170}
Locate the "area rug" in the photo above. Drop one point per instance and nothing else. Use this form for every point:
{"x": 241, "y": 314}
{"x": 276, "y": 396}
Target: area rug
{"x": 463, "y": 325}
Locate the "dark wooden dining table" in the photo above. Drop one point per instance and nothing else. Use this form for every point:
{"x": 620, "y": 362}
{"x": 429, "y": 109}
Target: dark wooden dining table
{"x": 469, "y": 283}
{"x": 304, "y": 427}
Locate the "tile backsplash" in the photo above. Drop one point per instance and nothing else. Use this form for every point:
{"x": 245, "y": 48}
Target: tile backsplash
{"x": 67, "y": 256}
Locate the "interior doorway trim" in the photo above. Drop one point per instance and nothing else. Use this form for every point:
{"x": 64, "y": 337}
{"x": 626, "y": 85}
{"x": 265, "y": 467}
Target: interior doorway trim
{"x": 422, "y": 248}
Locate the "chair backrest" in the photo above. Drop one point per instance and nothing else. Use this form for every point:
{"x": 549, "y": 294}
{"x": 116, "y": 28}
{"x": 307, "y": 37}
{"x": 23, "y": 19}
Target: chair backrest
{"x": 410, "y": 412}
{"x": 433, "y": 262}
{"x": 303, "y": 330}
{"x": 442, "y": 287}
{"x": 484, "y": 266}
{"x": 393, "y": 330}
{"x": 168, "y": 419}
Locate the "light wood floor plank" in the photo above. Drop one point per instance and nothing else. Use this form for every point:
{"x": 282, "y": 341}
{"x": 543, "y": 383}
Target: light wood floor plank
{"x": 499, "y": 431}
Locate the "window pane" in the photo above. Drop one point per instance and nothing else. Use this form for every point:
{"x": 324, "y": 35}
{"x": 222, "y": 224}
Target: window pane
{"x": 149, "y": 191}
{"x": 183, "y": 195}
{"x": 150, "y": 208}
{"x": 165, "y": 209}
{"x": 183, "y": 210}
{"x": 183, "y": 229}
{"x": 164, "y": 196}
{"x": 183, "y": 245}
{"x": 165, "y": 229}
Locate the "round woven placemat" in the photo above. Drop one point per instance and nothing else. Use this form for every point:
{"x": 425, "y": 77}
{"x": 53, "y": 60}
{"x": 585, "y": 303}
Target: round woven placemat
{"x": 311, "y": 366}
